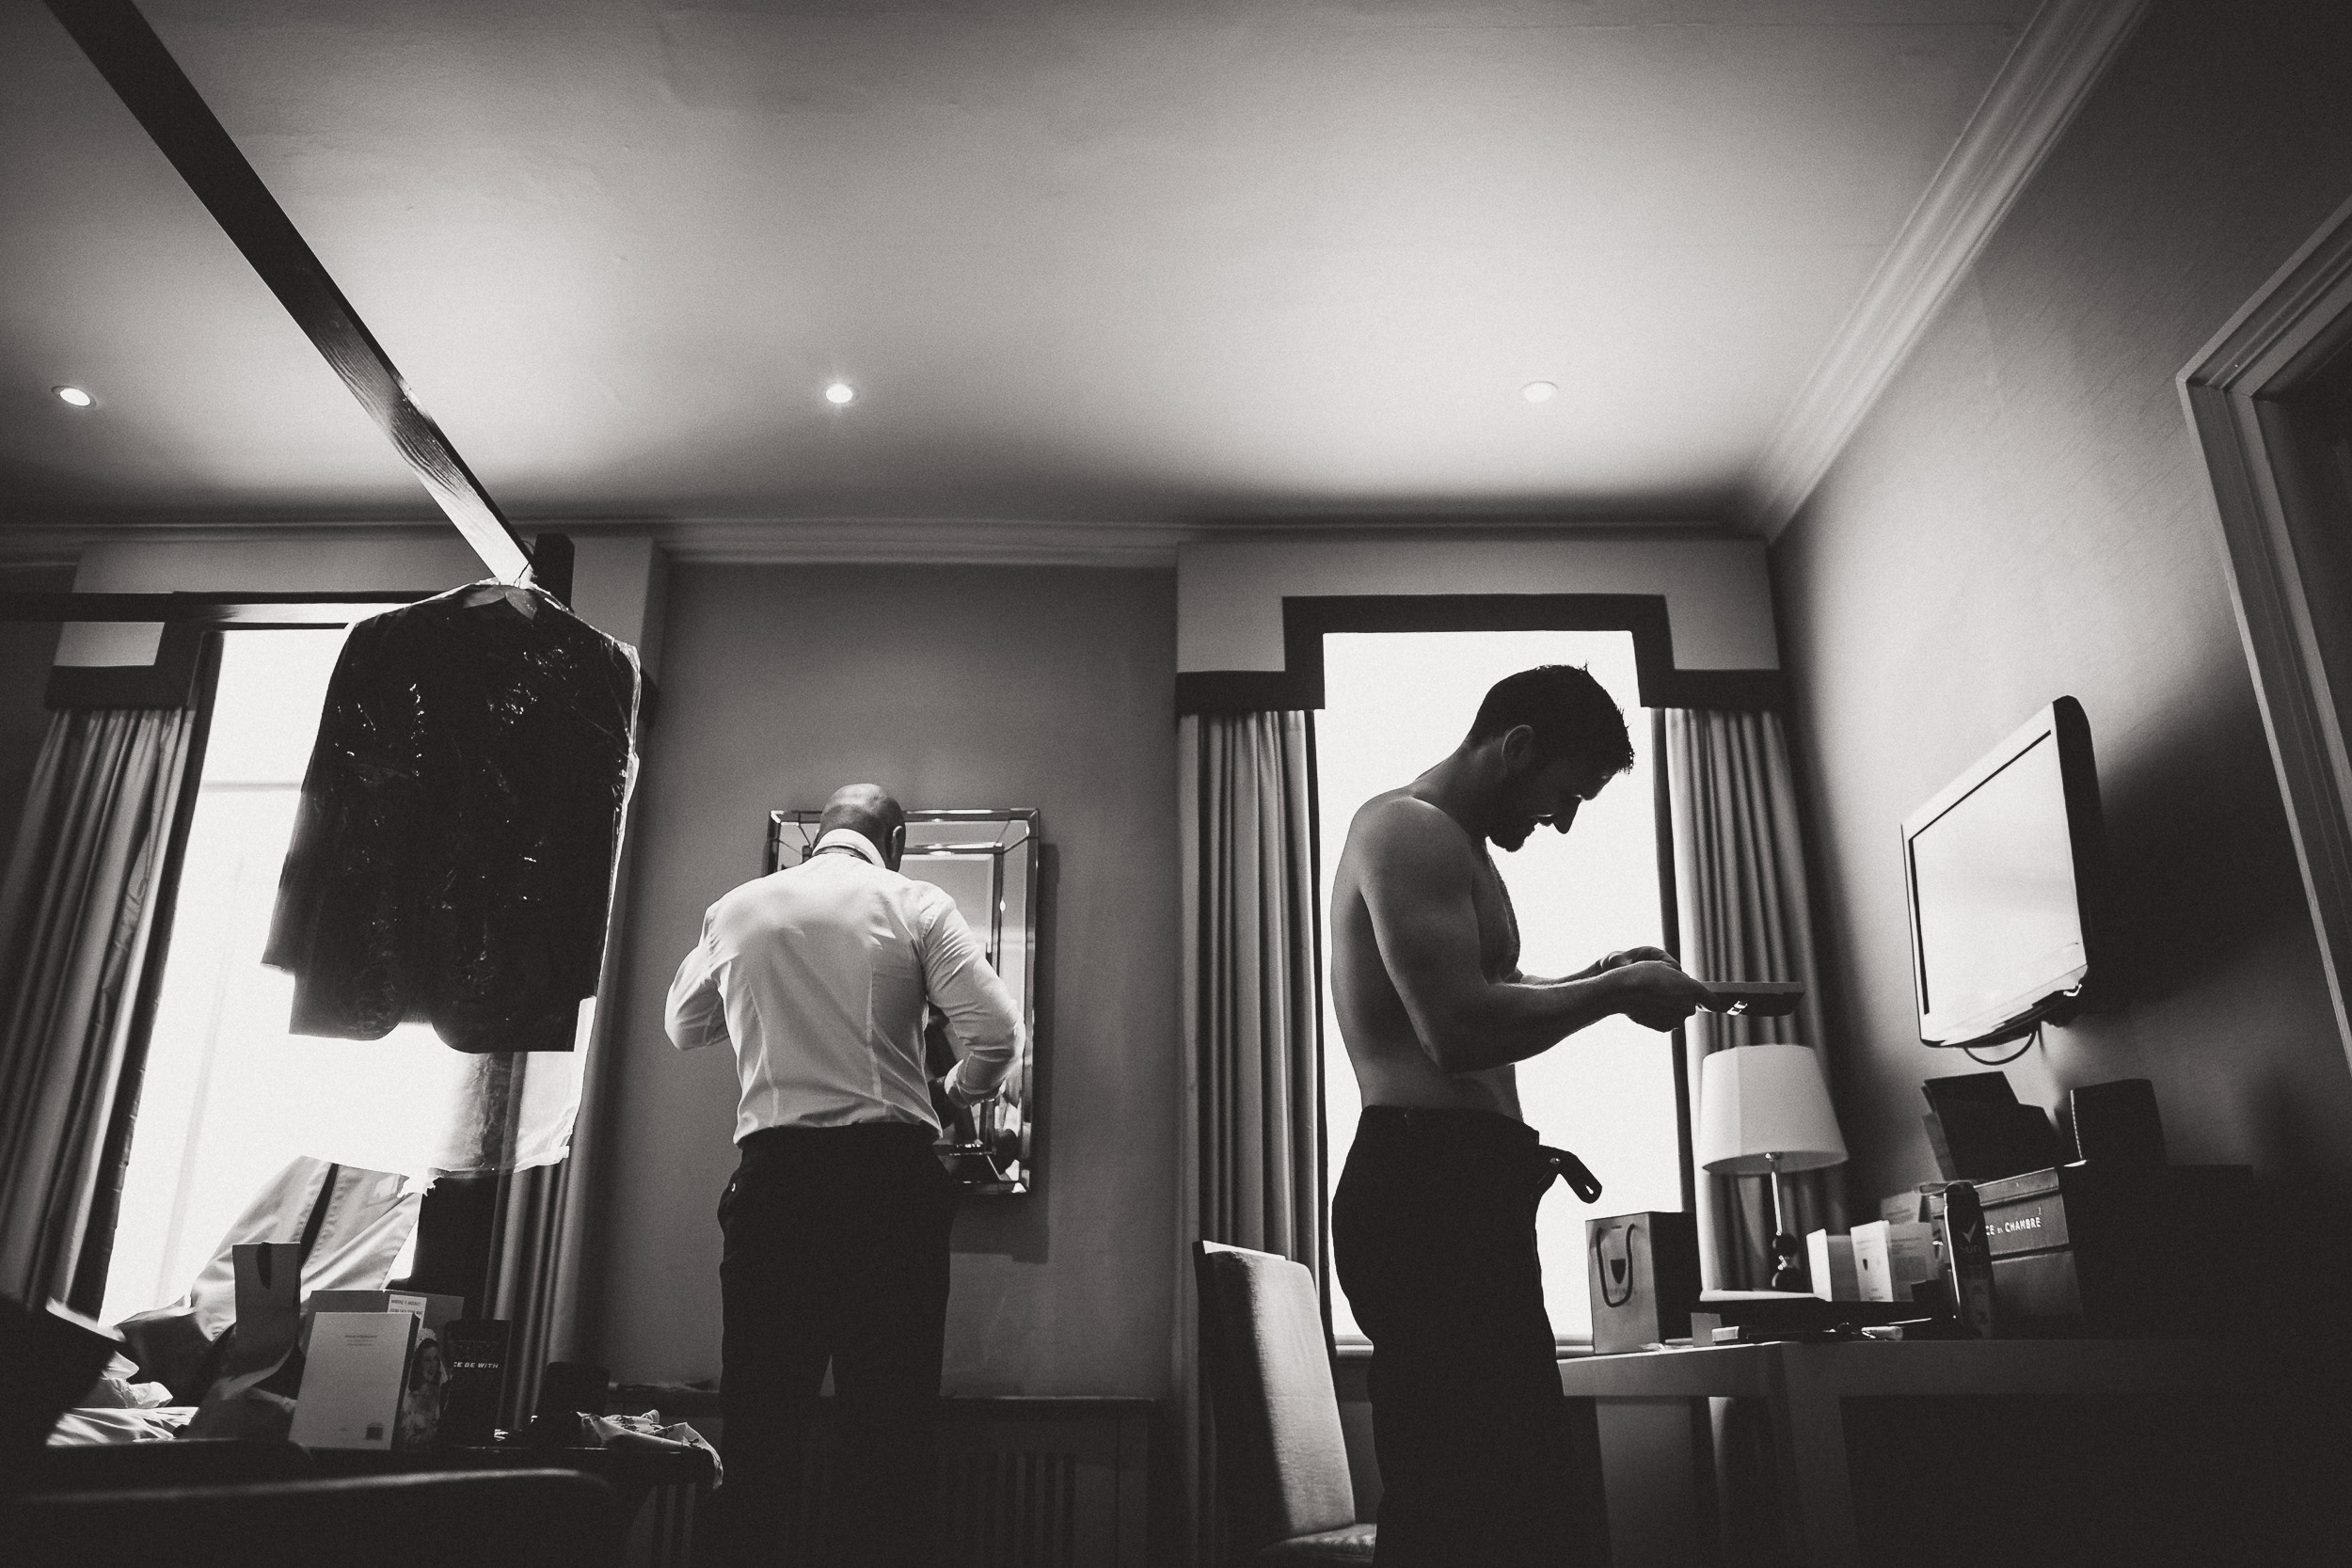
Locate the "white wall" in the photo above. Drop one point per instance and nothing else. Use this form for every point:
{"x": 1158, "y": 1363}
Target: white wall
{"x": 614, "y": 580}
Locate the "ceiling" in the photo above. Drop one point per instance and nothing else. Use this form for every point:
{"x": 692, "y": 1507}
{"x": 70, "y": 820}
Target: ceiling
{"x": 1150, "y": 262}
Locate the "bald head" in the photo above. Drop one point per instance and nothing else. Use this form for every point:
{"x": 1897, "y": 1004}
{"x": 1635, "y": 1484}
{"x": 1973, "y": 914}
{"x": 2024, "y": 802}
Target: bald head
{"x": 867, "y": 809}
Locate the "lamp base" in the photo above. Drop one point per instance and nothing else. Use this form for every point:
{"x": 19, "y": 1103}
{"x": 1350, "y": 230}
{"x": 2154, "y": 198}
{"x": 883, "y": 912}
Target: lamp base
{"x": 1787, "y": 1275}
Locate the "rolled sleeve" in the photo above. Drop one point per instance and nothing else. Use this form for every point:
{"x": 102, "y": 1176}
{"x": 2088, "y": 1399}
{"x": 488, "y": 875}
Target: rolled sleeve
{"x": 977, "y": 1004}
{"x": 696, "y": 1014}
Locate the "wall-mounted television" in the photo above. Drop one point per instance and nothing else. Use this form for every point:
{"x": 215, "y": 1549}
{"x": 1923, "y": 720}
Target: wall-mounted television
{"x": 2006, "y": 871}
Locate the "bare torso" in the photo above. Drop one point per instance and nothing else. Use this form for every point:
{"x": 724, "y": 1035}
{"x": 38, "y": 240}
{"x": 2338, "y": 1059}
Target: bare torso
{"x": 1391, "y": 1065}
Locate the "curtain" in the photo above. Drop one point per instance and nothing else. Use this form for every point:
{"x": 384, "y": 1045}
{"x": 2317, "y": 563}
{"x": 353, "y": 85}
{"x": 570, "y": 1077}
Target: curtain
{"x": 1251, "y": 1009}
{"x": 78, "y": 908}
{"x": 1252, "y": 1144}
{"x": 525, "y": 1237}
{"x": 1739, "y": 886}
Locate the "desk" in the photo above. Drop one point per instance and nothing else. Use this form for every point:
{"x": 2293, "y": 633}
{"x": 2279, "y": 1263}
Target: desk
{"x": 658, "y": 1536}
{"x": 1652, "y": 1417}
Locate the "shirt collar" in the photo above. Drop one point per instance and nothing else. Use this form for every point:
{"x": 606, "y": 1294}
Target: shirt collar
{"x": 850, "y": 838}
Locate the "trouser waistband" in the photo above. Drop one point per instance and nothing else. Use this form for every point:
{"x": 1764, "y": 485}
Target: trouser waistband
{"x": 1482, "y": 1129}
{"x": 858, "y": 1135}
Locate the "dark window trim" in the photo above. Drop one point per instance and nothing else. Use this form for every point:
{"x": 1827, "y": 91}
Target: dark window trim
{"x": 1355, "y": 1347}
{"x": 169, "y": 682}
{"x": 1307, "y": 618}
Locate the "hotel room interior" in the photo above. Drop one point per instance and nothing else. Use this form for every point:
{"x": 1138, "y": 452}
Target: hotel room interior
{"x": 1166, "y": 418}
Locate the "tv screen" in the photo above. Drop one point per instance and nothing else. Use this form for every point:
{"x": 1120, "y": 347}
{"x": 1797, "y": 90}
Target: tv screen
{"x": 1997, "y": 863}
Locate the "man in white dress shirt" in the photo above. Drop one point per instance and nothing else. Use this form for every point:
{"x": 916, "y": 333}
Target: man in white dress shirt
{"x": 837, "y": 1217}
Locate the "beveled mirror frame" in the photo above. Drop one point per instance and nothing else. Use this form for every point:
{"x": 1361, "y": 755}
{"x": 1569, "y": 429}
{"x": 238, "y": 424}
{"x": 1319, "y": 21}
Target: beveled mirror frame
{"x": 992, "y": 1147}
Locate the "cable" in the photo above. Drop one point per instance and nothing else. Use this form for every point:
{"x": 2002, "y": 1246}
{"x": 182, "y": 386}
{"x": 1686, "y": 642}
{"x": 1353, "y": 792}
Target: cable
{"x": 2032, "y": 1040}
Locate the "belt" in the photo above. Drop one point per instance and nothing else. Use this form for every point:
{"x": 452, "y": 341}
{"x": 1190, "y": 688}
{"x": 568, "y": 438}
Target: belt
{"x": 1575, "y": 1172}
{"x": 1559, "y": 1164}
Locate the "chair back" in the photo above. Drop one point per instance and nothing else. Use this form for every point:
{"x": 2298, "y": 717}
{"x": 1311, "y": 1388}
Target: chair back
{"x": 1281, "y": 1458}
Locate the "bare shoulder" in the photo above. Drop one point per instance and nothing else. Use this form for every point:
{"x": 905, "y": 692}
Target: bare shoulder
{"x": 1399, "y": 836}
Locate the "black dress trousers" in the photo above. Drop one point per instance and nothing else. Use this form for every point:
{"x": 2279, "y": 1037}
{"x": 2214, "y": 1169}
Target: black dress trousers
{"x": 837, "y": 1251}
{"x": 1432, "y": 1232}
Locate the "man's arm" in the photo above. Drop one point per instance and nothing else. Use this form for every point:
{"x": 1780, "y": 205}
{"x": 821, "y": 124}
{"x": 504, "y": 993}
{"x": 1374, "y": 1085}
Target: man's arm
{"x": 696, "y": 1015}
{"x": 1601, "y": 966}
{"x": 978, "y": 1006}
{"x": 1417, "y": 885}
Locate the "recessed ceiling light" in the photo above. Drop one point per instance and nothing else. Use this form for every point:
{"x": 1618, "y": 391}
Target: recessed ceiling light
{"x": 839, "y": 393}
{"x": 73, "y": 395}
{"x": 1540, "y": 391}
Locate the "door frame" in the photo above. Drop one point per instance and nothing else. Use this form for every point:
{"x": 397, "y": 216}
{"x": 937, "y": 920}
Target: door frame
{"x": 2236, "y": 395}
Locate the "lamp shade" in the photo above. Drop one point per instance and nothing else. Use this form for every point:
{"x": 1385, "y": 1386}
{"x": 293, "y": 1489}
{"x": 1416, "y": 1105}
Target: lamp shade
{"x": 1762, "y": 1105}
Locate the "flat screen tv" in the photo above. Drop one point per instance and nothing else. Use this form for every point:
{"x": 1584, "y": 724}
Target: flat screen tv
{"x": 2006, "y": 872}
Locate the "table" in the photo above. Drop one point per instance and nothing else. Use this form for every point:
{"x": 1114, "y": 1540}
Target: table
{"x": 1651, "y": 1412}
{"x": 671, "y": 1480}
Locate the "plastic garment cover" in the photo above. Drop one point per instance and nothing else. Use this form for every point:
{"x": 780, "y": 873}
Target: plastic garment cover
{"x": 454, "y": 856}
{"x": 368, "y": 1217}
{"x": 363, "y": 1220}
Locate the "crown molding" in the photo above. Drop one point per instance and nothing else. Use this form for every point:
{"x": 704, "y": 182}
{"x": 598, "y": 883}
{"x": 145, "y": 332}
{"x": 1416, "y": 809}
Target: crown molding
{"x": 854, "y": 540}
{"x": 916, "y": 541}
{"x": 2058, "y": 58}
{"x": 734, "y": 542}
{"x": 62, "y": 543}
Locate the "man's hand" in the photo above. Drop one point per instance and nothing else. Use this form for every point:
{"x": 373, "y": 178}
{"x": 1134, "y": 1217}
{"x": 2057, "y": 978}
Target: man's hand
{"x": 1656, "y": 994}
{"x": 1635, "y": 956}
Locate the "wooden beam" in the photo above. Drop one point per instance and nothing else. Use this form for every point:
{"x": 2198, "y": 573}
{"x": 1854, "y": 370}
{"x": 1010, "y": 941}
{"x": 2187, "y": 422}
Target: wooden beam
{"x": 135, "y": 63}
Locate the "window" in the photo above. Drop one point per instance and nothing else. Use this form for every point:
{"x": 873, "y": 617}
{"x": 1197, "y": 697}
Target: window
{"x": 229, "y": 1096}
{"x": 1394, "y": 703}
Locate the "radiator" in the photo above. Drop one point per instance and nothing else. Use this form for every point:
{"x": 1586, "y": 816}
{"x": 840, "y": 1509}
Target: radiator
{"x": 1023, "y": 1482}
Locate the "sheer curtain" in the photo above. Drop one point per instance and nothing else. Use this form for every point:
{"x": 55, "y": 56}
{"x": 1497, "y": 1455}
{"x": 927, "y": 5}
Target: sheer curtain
{"x": 1251, "y": 1013}
{"x": 1740, "y": 883}
{"x": 78, "y": 921}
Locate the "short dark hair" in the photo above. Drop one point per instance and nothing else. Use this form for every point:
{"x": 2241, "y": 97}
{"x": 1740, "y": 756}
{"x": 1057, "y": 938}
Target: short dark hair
{"x": 1570, "y": 713}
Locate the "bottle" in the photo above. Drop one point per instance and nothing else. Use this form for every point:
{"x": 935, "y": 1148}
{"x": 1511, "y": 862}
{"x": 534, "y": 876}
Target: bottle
{"x": 1967, "y": 1257}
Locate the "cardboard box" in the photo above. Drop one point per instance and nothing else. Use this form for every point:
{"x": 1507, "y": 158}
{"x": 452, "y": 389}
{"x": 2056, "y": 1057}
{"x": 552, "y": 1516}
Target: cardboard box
{"x": 1830, "y": 1261}
{"x": 431, "y": 1309}
{"x": 1890, "y": 1258}
{"x": 352, "y": 1381}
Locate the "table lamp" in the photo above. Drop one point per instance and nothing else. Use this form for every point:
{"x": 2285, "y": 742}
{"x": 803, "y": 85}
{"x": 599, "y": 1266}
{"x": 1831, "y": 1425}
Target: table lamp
{"x": 1764, "y": 1109}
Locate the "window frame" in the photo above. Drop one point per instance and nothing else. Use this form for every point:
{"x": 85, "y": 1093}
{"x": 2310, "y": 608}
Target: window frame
{"x": 1661, "y": 685}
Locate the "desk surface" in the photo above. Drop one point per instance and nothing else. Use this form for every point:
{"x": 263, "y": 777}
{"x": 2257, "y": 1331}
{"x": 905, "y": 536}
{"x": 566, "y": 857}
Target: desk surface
{"x": 1870, "y": 1367}
{"x": 628, "y": 1469}
{"x": 1647, "y": 1440}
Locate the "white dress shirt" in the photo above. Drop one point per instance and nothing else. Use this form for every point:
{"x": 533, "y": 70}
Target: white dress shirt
{"x": 817, "y": 976}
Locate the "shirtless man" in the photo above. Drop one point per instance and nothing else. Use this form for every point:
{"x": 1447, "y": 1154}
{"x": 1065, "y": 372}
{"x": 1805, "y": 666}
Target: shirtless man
{"x": 1434, "y": 1223}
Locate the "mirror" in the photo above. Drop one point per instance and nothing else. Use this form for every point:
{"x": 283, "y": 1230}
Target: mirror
{"x": 986, "y": 861}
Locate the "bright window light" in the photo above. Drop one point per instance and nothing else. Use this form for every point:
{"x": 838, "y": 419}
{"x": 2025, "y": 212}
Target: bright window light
{"x": 230, "y": 1097}
{"x": 839, "y": 393}
{"x": 73, "y": 395}
{"x": 1394, "y": 703}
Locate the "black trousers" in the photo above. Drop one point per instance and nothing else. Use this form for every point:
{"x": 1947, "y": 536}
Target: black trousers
{"x": 837, "y": 1251}
{"x": 1432, "y": 1232}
